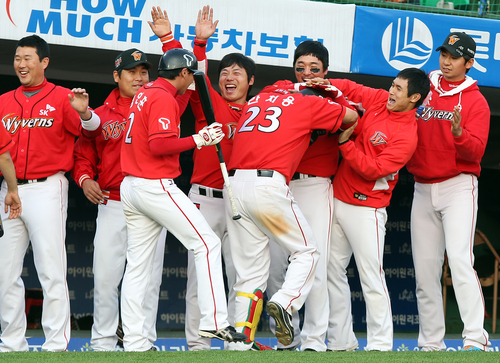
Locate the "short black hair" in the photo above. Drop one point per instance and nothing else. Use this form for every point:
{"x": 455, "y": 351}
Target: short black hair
{"x": 240, "y": 60}
{"x": 34, "y": 41}
{"x": 171, "y": 74}
{"x": 314, "y": 48}
{"x": 418, "y": 82}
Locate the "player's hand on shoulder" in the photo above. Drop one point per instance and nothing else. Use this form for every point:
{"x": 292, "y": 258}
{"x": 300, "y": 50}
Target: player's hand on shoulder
{"x": 161, "y": 24}
{"x": 92, "y": 191}
{"x": 209, "y": 135}
{"x": 13, "y": 201}
{"x": 205, "y": 25}
{"x": 317, "y": 81}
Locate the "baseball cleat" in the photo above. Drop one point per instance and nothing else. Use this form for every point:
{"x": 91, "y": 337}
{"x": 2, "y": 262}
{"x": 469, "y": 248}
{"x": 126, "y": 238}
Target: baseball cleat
{"x": 284, "y": 328}
{"x": 229, "y": 334}
{"x": 471, "y": 348}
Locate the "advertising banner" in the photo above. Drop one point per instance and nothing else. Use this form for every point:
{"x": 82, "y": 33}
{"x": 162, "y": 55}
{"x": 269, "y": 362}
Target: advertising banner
{"x": 387, "y": 41}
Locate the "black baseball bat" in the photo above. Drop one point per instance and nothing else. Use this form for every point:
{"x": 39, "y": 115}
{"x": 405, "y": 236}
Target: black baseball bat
{"x": 208, "y": 110}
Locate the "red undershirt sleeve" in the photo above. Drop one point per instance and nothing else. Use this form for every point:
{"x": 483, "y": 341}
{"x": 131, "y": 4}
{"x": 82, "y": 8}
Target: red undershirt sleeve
{"x": 162, "y": 146}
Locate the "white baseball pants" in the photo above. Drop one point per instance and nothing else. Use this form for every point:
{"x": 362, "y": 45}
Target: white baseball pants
{"x": 443, "y": 217}
{"x": 360, "y": 231}
{"x": 213, "y": 210}
{"x": 110, "y": 250}
{"x": 268, "y": 210}
{"x": 314, "y": 195}
{"x": 43, "y": 221}
{"x": 150, "y": 204}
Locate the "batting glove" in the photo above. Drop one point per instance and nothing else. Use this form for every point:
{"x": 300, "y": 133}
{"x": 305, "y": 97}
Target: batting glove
{"x": 209, "y": 135}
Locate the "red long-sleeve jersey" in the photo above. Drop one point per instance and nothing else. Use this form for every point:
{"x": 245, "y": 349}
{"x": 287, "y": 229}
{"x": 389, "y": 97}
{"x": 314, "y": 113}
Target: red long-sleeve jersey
{"x": 384, "y": 143}
{"x": 440, "y": 155}
{"x": 275, "y": 129}
{"x": 102, "y": 155}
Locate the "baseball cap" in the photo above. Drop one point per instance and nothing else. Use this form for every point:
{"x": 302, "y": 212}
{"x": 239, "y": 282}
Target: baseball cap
{"x": 131, "y": 58}
{"x": 459, "y": 44}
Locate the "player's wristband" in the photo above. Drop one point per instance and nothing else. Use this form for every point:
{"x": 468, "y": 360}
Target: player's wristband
{"x": 83, "y": 178}
{"x": 200, "y": 43}
{"x": 91, "y": 124}
{"x": 167, "y": 38}
{"x": 343, "y": 142}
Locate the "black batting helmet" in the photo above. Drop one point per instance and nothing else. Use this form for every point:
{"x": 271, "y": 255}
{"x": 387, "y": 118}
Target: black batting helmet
{"x": 178, "y": 59}
{"x": 309, "y": 91}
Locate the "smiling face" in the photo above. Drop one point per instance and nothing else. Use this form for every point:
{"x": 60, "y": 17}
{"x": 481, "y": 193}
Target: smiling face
{"x": 398, "y": 100}
{"x": 234, "y": 84}
{"x": 131, "y": 80}
{"x": 29, "y": 68}
{"x": 309, "y": 67}
{"x": 453, "y": 68}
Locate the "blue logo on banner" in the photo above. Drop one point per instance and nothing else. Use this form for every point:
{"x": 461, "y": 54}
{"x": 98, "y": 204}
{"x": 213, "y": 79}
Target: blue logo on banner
{"x": 407, "y": 43}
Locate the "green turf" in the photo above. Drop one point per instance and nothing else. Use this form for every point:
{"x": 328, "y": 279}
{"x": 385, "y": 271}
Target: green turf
{"x": 251, "y": 357}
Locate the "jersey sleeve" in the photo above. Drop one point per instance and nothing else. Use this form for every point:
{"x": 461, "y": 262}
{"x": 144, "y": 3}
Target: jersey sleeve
{"x": 171, "y": 44}
{"x": 388, "y": 162}
{"x": 326, "y": 114}
{"x": 361, "y": 96}
{"x": 284, "y": 85}
{"x": 162, "y": 115}
{"x": 86, "y": 160}
{"x": 472, "y": 143}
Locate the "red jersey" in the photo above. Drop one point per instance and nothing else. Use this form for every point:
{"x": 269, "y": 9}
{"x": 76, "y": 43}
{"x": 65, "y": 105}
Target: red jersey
{"x": 322, "y": 157}
{"x": 439, "y": 155}
{"x": 101, "y": 156}
{"x": 154, "y": 113}
{"x": 43, "y": 128}
{"x": 206, "y": 169}
{"x": 275, "y": 129}
{"x": 384, "y": 143}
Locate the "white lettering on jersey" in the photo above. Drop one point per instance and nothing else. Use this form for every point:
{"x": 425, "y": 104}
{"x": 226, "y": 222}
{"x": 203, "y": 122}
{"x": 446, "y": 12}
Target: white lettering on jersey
{"x": 253, "y": 100}
{"x": 272, "y": 98}
{"x": 13, "y": 123}
{"x": 48, "y": 109}
{"x": 288, "y": 101}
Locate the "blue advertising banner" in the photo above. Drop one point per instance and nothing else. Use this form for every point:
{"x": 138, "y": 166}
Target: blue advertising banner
{"x": 386, "y": 41}
{"x": 180, "y": 345}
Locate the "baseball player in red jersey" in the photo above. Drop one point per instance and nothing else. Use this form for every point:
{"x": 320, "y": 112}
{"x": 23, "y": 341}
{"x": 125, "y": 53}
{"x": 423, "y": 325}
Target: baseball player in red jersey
{"x": 150, "y": 161}
{"x": 39, "y": 117}
{"x": 236, "y": 77}
{"x": 270, "y": 140}
{"x": 312, "y": 189}
{"x": 452, "y": 136}
{"x": 386, "y": 139}
{"x": 101, "y": 157}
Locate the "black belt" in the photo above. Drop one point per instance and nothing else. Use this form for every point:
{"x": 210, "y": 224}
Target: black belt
{"x": 215, "y": 193}
{"x": 260, "y": 172}
{"x": 297, "y": 176}
{"x": 29, "y": 181}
